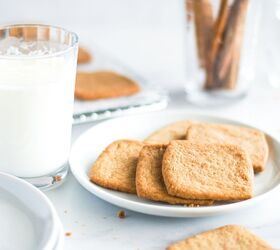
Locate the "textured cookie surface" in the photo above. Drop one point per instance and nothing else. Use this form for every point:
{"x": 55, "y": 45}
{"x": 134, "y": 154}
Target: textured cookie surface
{"x": 84, "y": 56}
{"x": 149, "y": 180}
{"x": 115, "y": 168}
{"x": 207, "y": 171}
{"x": 103, "y": 84}
{"x": 173, "y": 131}
{"x": 230, "y": 237}
{"x": 252, "y": 140}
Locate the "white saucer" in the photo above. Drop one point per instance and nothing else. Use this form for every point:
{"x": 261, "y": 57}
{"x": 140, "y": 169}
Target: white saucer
{"x": 59, "y": 243}
{"x": 27, "y": 215}
{"x": 90, "y": 144}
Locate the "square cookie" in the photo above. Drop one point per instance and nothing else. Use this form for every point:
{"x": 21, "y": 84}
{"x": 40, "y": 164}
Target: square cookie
{"x": 251, "y": 140}
{"x": 207, "y": 171}
{"x": 115, "y": 168}
{"x": 230, "y": 237}
{"x": 173, "y": 131}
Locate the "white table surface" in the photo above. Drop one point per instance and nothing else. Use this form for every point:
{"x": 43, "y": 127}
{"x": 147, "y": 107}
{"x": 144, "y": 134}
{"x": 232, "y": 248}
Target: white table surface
{"x": 151, "y": 42}
{"x": 94, "y": 224}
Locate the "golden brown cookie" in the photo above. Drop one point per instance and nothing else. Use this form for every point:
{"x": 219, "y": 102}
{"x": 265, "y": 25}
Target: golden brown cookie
{"x": 84, "y": 56}
{"x": 115, "y": 168}
{"x": 103, "y": 84}
{"x": 230, "y": 237}
{"x": 149, "y": 180}
{"x": 207, "y": 171}
{"x": 251, "y": 140}
{"x": 173, "y": 131}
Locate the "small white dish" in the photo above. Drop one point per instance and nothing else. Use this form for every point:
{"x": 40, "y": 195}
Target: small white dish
{"x": 28, "y": 219}
{"x": 90, "y": 144}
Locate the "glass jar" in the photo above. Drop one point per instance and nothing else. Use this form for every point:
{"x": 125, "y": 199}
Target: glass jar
{"x": 270, "y": 39}
{"x": 221, "y": 43}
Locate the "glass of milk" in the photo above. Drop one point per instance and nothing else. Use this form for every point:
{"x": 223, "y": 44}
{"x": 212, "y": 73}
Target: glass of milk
{"x": 37, "y": 80}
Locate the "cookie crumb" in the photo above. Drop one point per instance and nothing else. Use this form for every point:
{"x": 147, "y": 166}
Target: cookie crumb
{"x": 121, "y": 214}
{"x": 56, "y": 178}
{"x": 68, "y": 234}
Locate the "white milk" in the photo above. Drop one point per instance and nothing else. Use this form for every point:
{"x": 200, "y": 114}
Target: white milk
{"x": 36, "y": 102}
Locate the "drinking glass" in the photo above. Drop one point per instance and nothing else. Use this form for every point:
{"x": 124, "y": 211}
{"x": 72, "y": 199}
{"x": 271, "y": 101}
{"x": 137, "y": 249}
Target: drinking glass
{"x": 37, "y": 80}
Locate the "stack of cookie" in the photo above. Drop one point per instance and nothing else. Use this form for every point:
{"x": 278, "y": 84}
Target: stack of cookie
{"x": 185, "y": 163}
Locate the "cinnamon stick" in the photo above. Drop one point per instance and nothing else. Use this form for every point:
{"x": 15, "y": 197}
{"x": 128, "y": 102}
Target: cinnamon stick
{"x": 233, "y": 37}
{"x": 233, "y": 72}
{"x": 203, "y": 17}
{"x": 219, "y": 27}
{"x": 219, "y": 44}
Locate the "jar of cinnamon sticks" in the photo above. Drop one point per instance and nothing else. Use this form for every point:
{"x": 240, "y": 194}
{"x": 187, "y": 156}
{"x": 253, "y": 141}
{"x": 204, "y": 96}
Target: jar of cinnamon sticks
{"x": 221, "y": 43}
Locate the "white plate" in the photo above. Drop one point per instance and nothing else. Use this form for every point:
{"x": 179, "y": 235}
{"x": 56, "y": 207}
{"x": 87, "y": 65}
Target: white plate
{"x": 89, "y": 145}
{"x": 26, "y": 215}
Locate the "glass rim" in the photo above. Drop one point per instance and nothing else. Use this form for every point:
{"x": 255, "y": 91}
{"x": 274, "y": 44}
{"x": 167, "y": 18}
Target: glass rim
{"x": 54, "y": 54}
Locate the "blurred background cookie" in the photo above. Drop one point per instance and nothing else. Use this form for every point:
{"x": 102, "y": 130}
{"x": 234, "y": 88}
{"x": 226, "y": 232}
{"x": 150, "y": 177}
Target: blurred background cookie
{"x": 103, "y": 84}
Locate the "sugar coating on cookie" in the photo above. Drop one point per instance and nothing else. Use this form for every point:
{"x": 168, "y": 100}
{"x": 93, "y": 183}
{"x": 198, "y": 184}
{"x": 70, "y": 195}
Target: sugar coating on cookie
{"x": 173, "y": 131}
{"x": 115, "y": 168}
{"x": 84, "y": 55}
{"x": 103, "y": 84}
{"x": 253, "y": 141}
{"x": 149, "y": 180}
{"x": 207, "y": 171}
{"x": 230, "y": 237}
